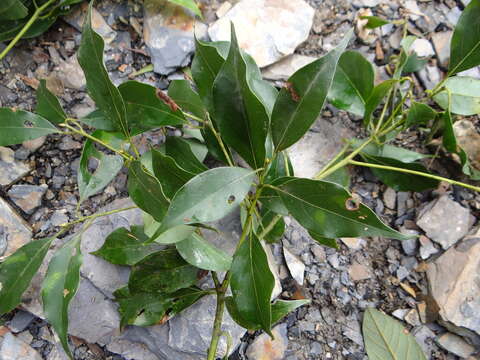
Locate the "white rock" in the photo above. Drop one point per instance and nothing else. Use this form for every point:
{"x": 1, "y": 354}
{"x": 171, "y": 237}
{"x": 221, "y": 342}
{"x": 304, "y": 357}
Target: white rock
{"x": 423, "y": 48}
{"x": 14, "y": 349}
{"x": 14, "y": 231}
{"x": 286, "y": 67}
{"x": 295, "y": 266}
{"x": 266, "y": 29}
{"x": 414, "y": 11}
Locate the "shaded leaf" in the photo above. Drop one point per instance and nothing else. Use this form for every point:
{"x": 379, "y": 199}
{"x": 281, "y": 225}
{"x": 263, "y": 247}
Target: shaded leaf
{"x": 146, "y": 191}
{"x": 237, "y": 317}
{"x": 19, "y": 126}
{"x": 17, "y": 271}
{"x": 96, "y": 120}
{"x": 331, "y": 243}
{"x": 200, "y": 253}
{"x": 181, "y": 150}
{"x": 465, "y": 44}
{"x": 239, "y": 114}
{"x": 10, "y": 28}
{"x": 162, "y": 272}
{"x": 353, "y": 83}
{"x": 48, "y": 105}
{"x": 414, "y": 63}
{"x": 299, "y": 105}
{"x": 389, "y": 151}
{"x": 59, "y": 287}
{"x": 374, "y": 21}
{"x": 278, "y": 229}
{"x": 280, "y": 166}
{"x": 449, "y": 138}
{"x": 252, "y": 283}
{"x": 378, "y": 94}
{"x": 420, "y": 114}
{"x": 386, "y": 338}
{"x": 183, "y": 94}
{"x": 12, "y": 10}
{"x": 281, "y": 308}
{"x": 464, "y": 94}
{"x": 101, "y": 89}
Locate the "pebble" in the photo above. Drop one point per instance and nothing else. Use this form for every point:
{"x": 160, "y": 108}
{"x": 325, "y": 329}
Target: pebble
{"x": 27, "y": 197}
{"x": 264, "y": 348}
{"x": 10, "y": 169}
{"x": 286, "y": 67}
{"x": 68, "y": 143}
{"x": 441, "y": 42}
{"x": 319, "y": 253}
{"x": 35, "y": 144}
{"x": 390, "y": 198}
{"x": 359, "y": 272}
{"x": 412, "y": 318}
{"x": 455, "y": 345}
{"x": 20, "y": 321}
{"x": 13, "y": 348}
{"x": 427, "y": 248}
{"x": 14, "y": 231}
{"x": 423, "y": 48}
{"x": 295, "y": 266}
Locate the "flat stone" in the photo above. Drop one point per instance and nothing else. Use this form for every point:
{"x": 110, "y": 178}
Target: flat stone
{"x": 295, "y": 266}
{"x": 453, "y": 284}
{"x": 131, "y": 350}
{"x": 413, "y": 10}
{"x": 35, "y": 144}
{"x": 359, "y": 272}
{"x": 20, "y": 321}
{"x": 286, "y": 67}
{"x": 268, "y": 30}
{"x": 14, "y": 349}
{"x": 444, "y": 221}
{"x": 11, "y": 170}
{"x": 390, "y": 198}
{"x": 424, "y": 337}
{"x": 168, "y": 32}
{"x": 353, "y": 243}
{"x": 412, "y": 317}
{"x": 423, "y": 48}
{"x": 441, "y": 42}
{"x": 27, "y": 197}
{"x": 455, "y": 345}
{"x": 14, "y": 231}
{"x": 264, "y": 348}
{"x": 427, "y": 248}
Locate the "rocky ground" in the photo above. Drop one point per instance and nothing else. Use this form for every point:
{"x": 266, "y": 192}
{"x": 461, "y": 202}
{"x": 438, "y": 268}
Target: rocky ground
{"x": 430, "y": 284}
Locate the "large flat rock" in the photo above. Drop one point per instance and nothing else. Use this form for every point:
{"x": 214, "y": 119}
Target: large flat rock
{"x": 14, "y": 231}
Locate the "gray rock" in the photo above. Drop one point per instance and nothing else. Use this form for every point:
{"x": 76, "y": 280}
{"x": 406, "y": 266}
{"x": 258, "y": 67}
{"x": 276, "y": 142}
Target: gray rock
{"x": 453, "y": 15}
{"x": 264, "y": 348}
{"x": 14, "y": 349}
{"x": 430, "y": 76}
{"x": 168, "y": 33}
{"x": 267, "y": 30}
{"x": 35, "y": 144}
{"x": 353, "y": 243}
{"x": 10, "y": 169}
{"x": 68, "y": 143}
{"x": 14, "y": 231}
{"x": 131, "y": 350}
{"x": 20, "y": 321}
{"x": 27, "y": 197}
{"x": 441, "y": 42}
{"x": 444, "y": 221}
{"x": 353, "y": 332}
{"x": 359, "y": 272}
{"x": 286, "y": 67}
{"x": 412, "y": 318}
{"x": 295, "y": 266}
{"x": 413, "y": 10}
{"x": 454, "y": 286}
{"x": 455, "y": 345}
{"x": 70, "y": 74}
{"x": 427, "y": 248}
{"x": 424, "y": 337}
{"x": 390, "y": 198}
{"x": 366, "y": 3}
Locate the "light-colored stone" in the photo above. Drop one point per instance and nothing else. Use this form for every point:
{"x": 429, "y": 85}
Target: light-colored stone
{"x": 413, "y": 10}
{"x": 455, "y": 345}
{"x": 223, "y": 9}
{"x": 453, "y": 284}
{"x": 131, "y": 350}
{"x": 268, "y": 30}
{"x": 286, "y": 67}
{"x": 35, "y": 144}
{"x": 14, "y": 231}
{"x": 10, "y": 169}
{"x": 295, "y": 266}
{"x": 353, "y": 243}
{"x": 412, "y": 317}
{"x": 441, "y": 42}
{"x": 423, "y": 48}
{"x": 70, "y": 74}
{"x": 468, "y": 139}
{"x": 427, "y": 248}
{"x": 365, "y": 34}
{"x": 390, "y": 198}
{"x": 27, "y": 197}
{"x": 444, "y": 221}
{"x": 359, "y": 272}
{"x": 264, "y": 348}
{"x": 13, "y": 348}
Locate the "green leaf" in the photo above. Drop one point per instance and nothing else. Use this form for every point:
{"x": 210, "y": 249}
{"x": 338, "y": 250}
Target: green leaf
{"x": 171, "y": 176}
{"x": 278, "y": 229}
{"x": 331, "y": 243}
{"x": 298, "y": 106}
{"x": 162, "y": 272}
{"x": 271, "y": 200}
{"x": 183, "y": 94}
{"x": 200, "y": 253}
{"x": 19, "y": 126}
{"x": 280, "y": 166}
{"x": 252, "y": 283}
{"x": 101, "y": 89}
{"x": 353, "y": 83}
{"x": 239, "y": 114}
{"x": 420, "y": 114}
{"x": 145, "y": 111}
{"x": 400, "y": 181}
{"x": 146, "y": 309}
{"x": 281, "y": 308}
{"x": 325, "y": 208}
{"x": 389, "y": 151}
{"x": 17, "y": 271}
{"x": 464, "y": 94}
{"x": 465, "y": 44}
{"x": 180, "y": 150}
{"x": 213, "y": 145}
{"x": 10, "y": 28}
{"x": 386, "y": 338}
{"x": 59, "y": 287}
{"x": 413, "y": 63}
{"x": 209, "y": 196}
{"x": 12, "y": 10}
{"x": 126, "y": 247}
{"x": 376, "y": 97}
{"x": 146, "y": 191}
{"x": 189, "y": 4}
{"x": 374, "y": 21}
{"x": 96, "y": 120}
{"x": 108, "y": 166}
{"x": 449, "y": 138}
{"x": 237, "y": 317}
{"x": 48, "y": 105}
{"x": 208, "y": 60}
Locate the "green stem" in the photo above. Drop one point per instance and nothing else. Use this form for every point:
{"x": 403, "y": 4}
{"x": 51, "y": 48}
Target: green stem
{"x": 217, "y": 326}
{"x": 413, "y": 172}
{"x": 269, "y": 227}
{"x": 25, "y": 28}
{"x": 94, "y": 216}
{"x": 220, "y": 142}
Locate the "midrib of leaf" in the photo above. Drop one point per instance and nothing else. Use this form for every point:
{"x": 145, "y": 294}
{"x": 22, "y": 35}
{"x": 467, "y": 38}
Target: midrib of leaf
{"x": 453, "y": 71}
{"x": 250, "y": 248}
{"x": 155, "y": 109}
{"x": 200, "y": 52}
{"x": 134, "y": 173}
{"x": 55, "y": 108}
{"x": 383, "y": 338}
{"x": 353, "y": 85}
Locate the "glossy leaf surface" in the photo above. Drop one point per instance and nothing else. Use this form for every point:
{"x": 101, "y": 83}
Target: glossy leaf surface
{"x": 17, "y": 271}
{"x": 181, "y": 150}
{"x": 299, "y": 105}
{"x": 48, "y": 105}
{"x": 378, "y": 94}
{"x": 464, "y": 94}
{"x": 420, "y": 114}
{"x": 19, "y": 126}
{"x": 182, "y": 93}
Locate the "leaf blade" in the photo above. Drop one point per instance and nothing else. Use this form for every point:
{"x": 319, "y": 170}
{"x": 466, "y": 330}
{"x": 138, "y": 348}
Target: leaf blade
{"x": 48, "y": 105}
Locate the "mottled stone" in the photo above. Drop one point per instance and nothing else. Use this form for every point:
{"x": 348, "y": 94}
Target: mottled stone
{"x": 13, "y": 348}
{"x": 286, "y": 67}
{"x": 426, "y": 247}
{"x": 423, "y": 48}
{"x": 455, "y": 345}
{"x": 14, "y": 231}
{"x": 441, "y": 43}
{"x": 70, "y": 74}
{"x": 353, "y": 243}
{"x": 359, "y": 272}
{"x": 268, "y": 30}
{"x": 390, "y": 198}
{"x": 264, "y": 348}
{"x": 444, "y": 221}
{"x": 10, "y": 169}
{"x": 131, "y": 350}
{"x": 35, "y": 144}
{"x": 468, "y": 139}
{"x": 27, "y": 197}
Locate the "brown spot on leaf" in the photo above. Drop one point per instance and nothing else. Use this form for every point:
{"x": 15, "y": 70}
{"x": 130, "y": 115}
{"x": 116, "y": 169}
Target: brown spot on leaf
{"x": 291, "y": 90}
{"x": 65, "y": 292}
{"x": 231, "y": 199}
{"x": 352, "y": 204}
{"x": 167, "y": 100}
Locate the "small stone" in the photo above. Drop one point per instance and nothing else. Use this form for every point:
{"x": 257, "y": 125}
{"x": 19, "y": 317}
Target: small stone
{"x": 68, "y": 143}
{"x": 412, "y": 8}
{"x": 35, "y": 144}
{"x": 368, "y": 36}
{"x": 70, "y": 74}
{"x": 390, "y": 198}
{"x": 400, "y": 313}
{"x": 10, "y": 169}
{"x": 444, "y": 221}
{"x": 286, "y": 67}
{"x": 295, "y": 266}
{"x": 427, "y": 248}
{"x": 318, "y": 252}
{"x": 402, "y": 273}
{"x": 267, "y": 30}
{"x": 13, "y": 348}
{"x": 352, "y": 331}
{"x": 27, "y": 197}
{"x": 359, "y": 272}
{"x": 412, "y": 318}
{"x": 333, "y": 261}
{"x": 468, "y": 139}
{"x": 366, "y": 3}
{"x": 424, "y": 337}
{"x": 264, "y": 348}
{"x": 14, "y": 231}
{"x": 455, "y": 345}
{"x": 20, "y": 321}
{"x": 453, "y": 16}
{"x": 353, "y": 243}
{"x": 422, "y": 311}
{"x": 441, "y": 42}
{"x": 423, "y": 48}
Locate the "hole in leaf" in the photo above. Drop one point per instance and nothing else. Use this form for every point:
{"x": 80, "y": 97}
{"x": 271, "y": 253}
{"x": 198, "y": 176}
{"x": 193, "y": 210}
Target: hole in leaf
{"x": 352, "y": 204}
{"x": 27, "y": 124}
{"x": 231, "y": 199}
